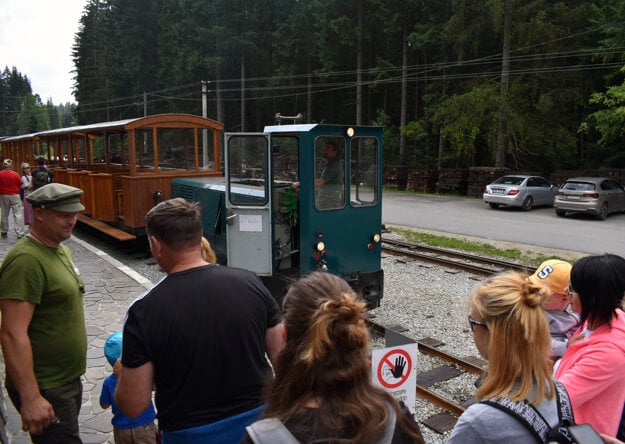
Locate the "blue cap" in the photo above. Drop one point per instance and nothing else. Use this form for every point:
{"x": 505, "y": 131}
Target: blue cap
{"x": 113, "y": 347}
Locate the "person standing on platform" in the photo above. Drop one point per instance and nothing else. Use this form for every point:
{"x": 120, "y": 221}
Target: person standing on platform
{"x": 10, "y": 201}
{"x": 27, "y": 186}
{"x": 42, "y": 175}
{"x": 593, "y": 366}
{"x": 139, "y": 430}
{"x": 201, "y": 336}
{"x": 554, "y": 274}
{"x": 43, "y": 332}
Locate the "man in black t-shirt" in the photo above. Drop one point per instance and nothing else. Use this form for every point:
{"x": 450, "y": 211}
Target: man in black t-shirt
{"x": 200, "y": 336}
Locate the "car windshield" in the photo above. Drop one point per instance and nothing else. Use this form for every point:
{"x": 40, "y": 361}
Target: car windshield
{"x": 579, "y": 186}
{"x": 510, "y": 180}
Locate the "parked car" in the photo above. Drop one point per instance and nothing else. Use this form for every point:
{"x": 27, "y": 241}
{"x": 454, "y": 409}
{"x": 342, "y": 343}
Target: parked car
{"x": 592, "y": 195}
{"x": 517, "y": 190}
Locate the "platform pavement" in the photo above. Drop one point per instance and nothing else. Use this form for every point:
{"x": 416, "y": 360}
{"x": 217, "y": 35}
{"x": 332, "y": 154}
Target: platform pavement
{"x": 109, "y": 288}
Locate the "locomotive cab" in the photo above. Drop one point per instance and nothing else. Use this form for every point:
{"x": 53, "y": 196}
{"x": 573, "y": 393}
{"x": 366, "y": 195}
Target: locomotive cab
{"x": 296, "y": 199}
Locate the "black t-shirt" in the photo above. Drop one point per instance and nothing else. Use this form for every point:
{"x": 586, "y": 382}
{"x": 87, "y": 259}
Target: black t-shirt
{"x": 204, "y": 331}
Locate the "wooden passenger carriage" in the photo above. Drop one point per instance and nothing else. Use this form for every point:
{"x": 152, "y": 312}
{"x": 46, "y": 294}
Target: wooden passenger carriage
{"x": 124, "y": 167}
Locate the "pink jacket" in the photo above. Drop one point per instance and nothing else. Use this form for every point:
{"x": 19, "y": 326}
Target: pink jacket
{"x": 593, "y": 372}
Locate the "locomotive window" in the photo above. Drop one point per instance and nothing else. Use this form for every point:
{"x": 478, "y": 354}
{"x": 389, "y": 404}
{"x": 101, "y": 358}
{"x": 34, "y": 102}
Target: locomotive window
{"x": 364, "y": 171}
{"x": 247, "y": 170}
{"x": 285, "y": 159}
{"x": 329, "y": 172}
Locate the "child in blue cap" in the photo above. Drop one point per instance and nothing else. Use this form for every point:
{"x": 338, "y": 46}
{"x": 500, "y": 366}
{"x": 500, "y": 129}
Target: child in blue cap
{"x": 139, "y": 430}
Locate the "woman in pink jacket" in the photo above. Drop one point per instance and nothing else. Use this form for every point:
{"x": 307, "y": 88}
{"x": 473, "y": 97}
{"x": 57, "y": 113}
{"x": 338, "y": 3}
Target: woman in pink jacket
{"x": 593, "y": 366}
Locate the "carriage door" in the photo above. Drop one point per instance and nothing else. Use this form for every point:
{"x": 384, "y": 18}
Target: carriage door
{"x": 248, "y": 202}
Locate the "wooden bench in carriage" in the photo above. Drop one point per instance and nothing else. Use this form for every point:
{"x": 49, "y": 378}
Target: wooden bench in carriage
{"x": 124, "y": 167}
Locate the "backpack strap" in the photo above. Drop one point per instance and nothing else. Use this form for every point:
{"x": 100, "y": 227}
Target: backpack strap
{"x": 270, "y": 431}
{"x": 533, "y": 421}
{"x": 565, "y": 409}
{"x": 390, "y": 426}
{"x": 523, "y": 412}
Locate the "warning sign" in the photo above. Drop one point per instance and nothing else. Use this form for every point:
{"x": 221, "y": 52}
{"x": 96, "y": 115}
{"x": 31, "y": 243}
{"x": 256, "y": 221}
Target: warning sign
{"x": 395, "y": 370}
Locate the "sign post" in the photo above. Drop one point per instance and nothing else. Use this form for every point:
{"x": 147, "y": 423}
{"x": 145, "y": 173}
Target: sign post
{"x": 394, "y": 369}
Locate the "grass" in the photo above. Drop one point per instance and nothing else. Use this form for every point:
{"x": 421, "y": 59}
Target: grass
{"x": 481, "y": 248}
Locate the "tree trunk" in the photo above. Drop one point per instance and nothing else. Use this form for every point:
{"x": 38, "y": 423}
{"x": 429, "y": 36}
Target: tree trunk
{"x": 359, "y": 68}
{"x": 404, "y": 97}
{"x": 500, "y": 160}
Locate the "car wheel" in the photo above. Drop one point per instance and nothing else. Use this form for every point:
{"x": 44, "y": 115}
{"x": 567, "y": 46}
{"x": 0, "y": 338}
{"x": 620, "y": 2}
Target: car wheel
{"x": 603, "y": 212}
{"x": 528, "y": 203}
{"x": 493, "y": 205}
{"x": 560, "y": 213}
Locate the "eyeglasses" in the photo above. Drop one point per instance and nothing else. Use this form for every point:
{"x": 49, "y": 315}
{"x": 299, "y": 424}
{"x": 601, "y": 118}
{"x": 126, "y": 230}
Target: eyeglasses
{"x": 473, "y": 323}
{"x": 570, "y": 291}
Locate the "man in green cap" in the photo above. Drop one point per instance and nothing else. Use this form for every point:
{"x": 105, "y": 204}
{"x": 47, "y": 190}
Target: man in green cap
{"x": 43, "y": 331}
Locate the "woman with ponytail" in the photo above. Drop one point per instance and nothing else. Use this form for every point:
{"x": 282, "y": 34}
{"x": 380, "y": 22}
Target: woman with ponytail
{"x": 322, "y": 390}
{"x": 511, "y": 331}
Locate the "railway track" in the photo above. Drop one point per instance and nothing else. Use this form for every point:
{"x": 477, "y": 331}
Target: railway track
{"x": 480, "y": 265}
{"x": 451, "y": 366}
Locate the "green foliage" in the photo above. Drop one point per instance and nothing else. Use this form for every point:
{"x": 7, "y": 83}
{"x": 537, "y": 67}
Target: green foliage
{"x": 336, "y": 60}
{"x": 464, "y": 117}
{"x": 609, "y": 123}
{"x": 33, "y": 116}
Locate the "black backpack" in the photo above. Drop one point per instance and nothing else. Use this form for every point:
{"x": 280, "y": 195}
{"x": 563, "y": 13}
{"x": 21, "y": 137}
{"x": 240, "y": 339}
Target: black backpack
{"x": 527, "y": 415}
{"x": 41, "y": 178}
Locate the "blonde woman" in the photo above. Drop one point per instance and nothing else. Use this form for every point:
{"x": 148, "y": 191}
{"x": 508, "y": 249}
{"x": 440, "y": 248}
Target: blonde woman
{"x": 511, "y": 331}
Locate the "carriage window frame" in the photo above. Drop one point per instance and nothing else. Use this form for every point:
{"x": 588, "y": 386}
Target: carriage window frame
{"x": 364, "y": 180}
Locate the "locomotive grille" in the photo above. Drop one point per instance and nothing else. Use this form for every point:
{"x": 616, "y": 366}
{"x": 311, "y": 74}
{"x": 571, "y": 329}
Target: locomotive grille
{"x": 184, "y": 191}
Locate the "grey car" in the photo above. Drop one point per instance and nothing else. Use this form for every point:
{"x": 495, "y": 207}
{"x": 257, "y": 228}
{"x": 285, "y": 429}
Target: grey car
{"x": 518, "y": 190}
{"x": 598, "y": 196}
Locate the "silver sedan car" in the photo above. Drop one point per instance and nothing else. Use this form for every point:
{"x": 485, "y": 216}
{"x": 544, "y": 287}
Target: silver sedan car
{"x": 598, "y": 196}
{"x": 517, "y": 190}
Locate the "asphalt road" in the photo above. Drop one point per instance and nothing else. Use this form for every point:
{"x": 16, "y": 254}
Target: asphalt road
{"x": 472, "y": 217}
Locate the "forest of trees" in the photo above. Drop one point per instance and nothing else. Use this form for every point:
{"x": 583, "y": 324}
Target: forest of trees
{"x": 533, "y": 85}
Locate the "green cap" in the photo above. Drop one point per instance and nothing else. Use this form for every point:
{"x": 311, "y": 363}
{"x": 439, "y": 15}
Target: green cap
{"x": 58, "y": 197}
{"x": 8, "y": 162}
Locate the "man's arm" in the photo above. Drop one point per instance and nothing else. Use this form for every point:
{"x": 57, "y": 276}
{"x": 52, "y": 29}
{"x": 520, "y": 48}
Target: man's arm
{"x": 134, "y": 389}
{"x": 35, "y": 410}
{"x": 274, "y": 340}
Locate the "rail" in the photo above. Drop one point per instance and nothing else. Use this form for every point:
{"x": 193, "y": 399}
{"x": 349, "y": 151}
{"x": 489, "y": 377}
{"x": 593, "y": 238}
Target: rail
{"x": 481, "y": 265}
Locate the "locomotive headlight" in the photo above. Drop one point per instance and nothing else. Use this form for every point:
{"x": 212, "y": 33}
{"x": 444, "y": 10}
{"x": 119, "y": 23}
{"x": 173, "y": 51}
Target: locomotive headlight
{"x": 349, "y": 132}
{"x": 320, "y": 246}
{"x": 376, "y": 238}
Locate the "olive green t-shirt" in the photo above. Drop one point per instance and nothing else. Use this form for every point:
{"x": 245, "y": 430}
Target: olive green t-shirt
{"x": 48, "y": 278}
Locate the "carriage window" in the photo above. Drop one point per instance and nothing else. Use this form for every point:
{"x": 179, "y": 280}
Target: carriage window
{"x": 364, "y": 171}
{"x": 118, "y": 149}
{"x": 247, "y": 170}
{"x": 206, "y": 147}
{"x": 176, "y": 148}
{"x": 329, "y": 173}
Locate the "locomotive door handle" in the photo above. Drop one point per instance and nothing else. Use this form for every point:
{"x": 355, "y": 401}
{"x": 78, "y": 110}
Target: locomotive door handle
{"x": 230, "y": 218}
